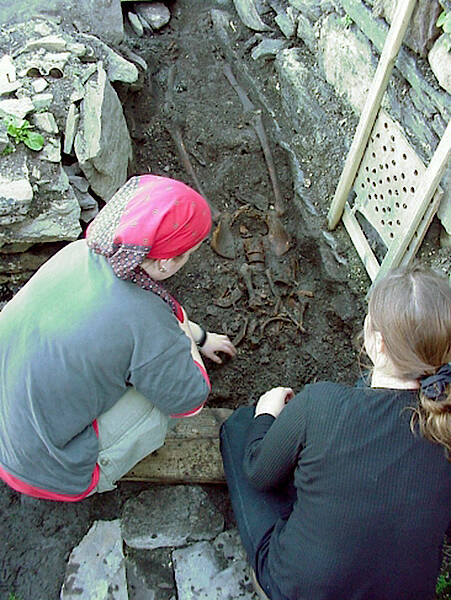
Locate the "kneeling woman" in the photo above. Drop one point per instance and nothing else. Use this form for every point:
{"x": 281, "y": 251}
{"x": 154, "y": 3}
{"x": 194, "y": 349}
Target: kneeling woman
{"x": 344, "y": 492}
{"x": 95, "y": 354}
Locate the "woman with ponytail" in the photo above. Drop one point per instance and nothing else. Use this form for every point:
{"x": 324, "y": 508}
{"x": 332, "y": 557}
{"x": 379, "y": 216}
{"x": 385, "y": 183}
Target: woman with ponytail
{"x": 345, "y": 492}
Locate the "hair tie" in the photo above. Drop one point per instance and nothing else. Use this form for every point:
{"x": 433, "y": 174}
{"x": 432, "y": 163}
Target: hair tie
{"x": 434, "y": 386}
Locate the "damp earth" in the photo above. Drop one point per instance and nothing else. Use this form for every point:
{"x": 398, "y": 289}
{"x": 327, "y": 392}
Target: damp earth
{"x": 263, "y": 277}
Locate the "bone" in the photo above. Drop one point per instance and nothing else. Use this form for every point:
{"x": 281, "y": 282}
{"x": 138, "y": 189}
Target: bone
{"x": 257, "y": 123}
{"x": 277, "y": 236}
{"x": 246, "y": 273}
{"x": 241, "y": 333}
{"x": 230, "y": 299}
{"x": 222, "y": 238}
{"x": 271, "y": 283}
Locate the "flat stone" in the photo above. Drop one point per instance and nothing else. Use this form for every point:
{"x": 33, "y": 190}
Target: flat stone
{"x": 45, "y": 121}
{"x": 42, "y": 101}
{"x": 103, "y": 151}
{"x": 8, "y": 81}
{"x": 440, "y": 60}
{"x": 148, "y": 520}
{"x": 287, "y": 23}
{"x": 136, "y": 24}
{"x": 96, "y": 566}
{"x": 347, "y": 61}
{"x": 444, "y": 210}
{"x": 268, "y": 48}
{"x": 79, "y": 183}
{"x": 53, "y": 43}
{"x": 149, "y": 574}
{"x": 306, "y": 33}
{"x": 116, "y": 66}
{"x": 17, "y": 107}
{"x": 15, "y": 199}
{"x": 156, "y": 14}
{"x": 39, "y": 85}
{"x": 72, "y": 119}
{"x": 51, "y": 150}
{"x": 213, "y": 571}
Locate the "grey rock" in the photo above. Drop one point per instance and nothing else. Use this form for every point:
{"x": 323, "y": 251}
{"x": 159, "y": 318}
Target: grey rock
{"x": 156, "y": 14}
{"x": 213, "y": 571}
{"x": 45, "y": 121}
{"x": 42, "y": 101}
{"x": 103, "y": 150}
{"x": 297, "y": 82}
{"x": 307, "y": 33}
{"x": 376, "y": 31}
{"x": 422, "y": 31}
{"x": 333, "y": 271}
{"x": 15, "y": 199}
{"x": 51, "y": 150}
{"x": 39, "y": 85}
{"x": 136, "y": 24}
{"x": 444, "y": 211}
{"x": 96, "y": 566}
{"x": 8, "y": 81}
{"x": 117, "y": 67}
{"x": 347, "y": 61}
{"x": 18, "y": 107}
{"x": 55, "y": 204}
{"x": 249, "y": 15}
{"x": 149, "y": 574}
{"x": 440, "y": 60}
{"x": 99, "y": 17}
{"x": 52, "y": 43}
{"x": 72, "y": 120}
{"x": 148, "y": 520}
{"x": 287, "y": 23}
{"x": 79, "y": 183}
{"x": 268, "y": 48}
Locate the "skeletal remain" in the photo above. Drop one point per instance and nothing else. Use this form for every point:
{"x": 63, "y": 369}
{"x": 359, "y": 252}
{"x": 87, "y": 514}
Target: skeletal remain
{"x": 255, "y": 252}
{"x": 257, "y": 123}
{"x": 229, "y": 300}
{"x": 222, "y": 238}
{"x": 277, "y": 236}
{"x": 246, "y": 272}
{"x": 271, "y": 283}
{"x": 241, "y": 333}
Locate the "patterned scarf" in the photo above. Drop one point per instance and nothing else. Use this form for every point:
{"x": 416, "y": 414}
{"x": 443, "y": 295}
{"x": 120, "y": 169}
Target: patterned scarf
{"x": 149, "y": 217}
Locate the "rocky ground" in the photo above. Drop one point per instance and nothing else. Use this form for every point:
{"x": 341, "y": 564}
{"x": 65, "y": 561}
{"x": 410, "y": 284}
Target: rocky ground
{"x": 289, "y": 294}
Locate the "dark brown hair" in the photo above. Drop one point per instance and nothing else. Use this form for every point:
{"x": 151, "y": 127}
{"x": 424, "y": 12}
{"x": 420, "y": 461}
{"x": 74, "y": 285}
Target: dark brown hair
{"x": 411, "y": 308}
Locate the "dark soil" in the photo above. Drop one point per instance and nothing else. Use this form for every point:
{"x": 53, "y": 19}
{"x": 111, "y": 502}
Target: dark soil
{"x": 318, "y": 314}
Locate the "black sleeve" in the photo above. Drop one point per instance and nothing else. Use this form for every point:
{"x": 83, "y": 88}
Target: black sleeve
{"x": 273, "y": 445}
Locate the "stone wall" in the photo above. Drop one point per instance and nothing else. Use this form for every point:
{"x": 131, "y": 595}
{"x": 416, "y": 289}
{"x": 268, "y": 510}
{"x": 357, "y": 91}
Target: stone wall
{"x": 346, "y": 38}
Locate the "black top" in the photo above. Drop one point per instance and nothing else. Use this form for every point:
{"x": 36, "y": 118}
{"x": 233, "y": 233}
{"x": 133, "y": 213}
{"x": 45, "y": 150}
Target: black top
{"x": 373, "y": 500}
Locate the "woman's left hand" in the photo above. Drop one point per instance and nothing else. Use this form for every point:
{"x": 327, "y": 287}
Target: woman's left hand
{"x": 217, "y": 342}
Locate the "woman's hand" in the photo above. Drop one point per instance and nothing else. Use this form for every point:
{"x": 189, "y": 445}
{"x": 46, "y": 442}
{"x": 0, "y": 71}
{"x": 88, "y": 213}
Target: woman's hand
{"x": 217, "y": 342}
{"x": 273, "y": 401}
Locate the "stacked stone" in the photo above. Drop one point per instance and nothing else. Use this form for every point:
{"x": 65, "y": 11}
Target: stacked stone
{"x": 345, "y": 38}
{"x": 60, "y": 83}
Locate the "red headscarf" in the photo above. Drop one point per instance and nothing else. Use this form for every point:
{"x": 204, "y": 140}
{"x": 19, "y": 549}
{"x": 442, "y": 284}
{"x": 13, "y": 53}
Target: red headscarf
{"x": 149, "y": 217}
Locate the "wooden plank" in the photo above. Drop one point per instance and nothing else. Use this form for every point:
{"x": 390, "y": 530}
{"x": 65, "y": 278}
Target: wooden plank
{"x": 369, "y": 112}
{"x": 425, "y": 191}
{"x": 190, "y": 453}
{"x": 360, "y": 242}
